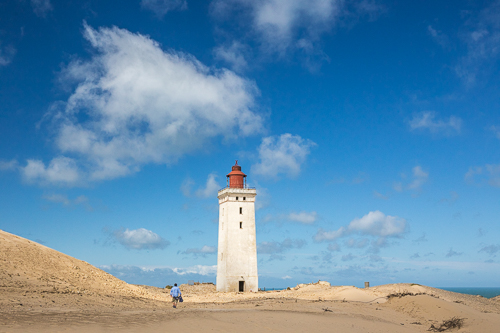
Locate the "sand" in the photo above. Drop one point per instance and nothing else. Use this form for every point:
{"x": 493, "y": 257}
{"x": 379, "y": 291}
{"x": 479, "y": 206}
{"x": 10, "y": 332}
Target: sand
{"x": 42, "y": 290}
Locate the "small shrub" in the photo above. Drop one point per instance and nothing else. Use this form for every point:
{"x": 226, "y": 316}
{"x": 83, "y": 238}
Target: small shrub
{"x": 454, "y": 322}
{"x": 168, "y": 286}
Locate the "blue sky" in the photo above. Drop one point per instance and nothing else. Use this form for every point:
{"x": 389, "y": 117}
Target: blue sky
{"x": 371, "y": 130}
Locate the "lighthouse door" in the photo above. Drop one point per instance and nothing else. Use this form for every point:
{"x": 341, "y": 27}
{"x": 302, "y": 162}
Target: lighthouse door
{"x": 242, "y": 286}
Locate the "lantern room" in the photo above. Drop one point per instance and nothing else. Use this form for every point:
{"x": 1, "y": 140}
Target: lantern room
{"x": 236, "y": 178}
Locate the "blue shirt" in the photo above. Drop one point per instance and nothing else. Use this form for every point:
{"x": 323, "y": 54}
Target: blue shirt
{"x": 175, "y": 292}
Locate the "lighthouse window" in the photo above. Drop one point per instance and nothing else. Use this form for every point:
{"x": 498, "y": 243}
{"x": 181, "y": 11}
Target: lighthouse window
{"x": 241, "y": 210}
{"x": 222, "y": 211}
{"x": 241, "y": 225}
{"x": 236, "y": 198}
{"x": 244, "y": 198}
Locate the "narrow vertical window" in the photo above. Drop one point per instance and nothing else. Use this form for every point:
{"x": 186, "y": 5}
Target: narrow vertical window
{"x": 236, "y": 198}
{"x": 241, "y": 210}
{"x": 244, "y": 198}
{"x": 222, "y": 211}
{"x": 241, "y": 225}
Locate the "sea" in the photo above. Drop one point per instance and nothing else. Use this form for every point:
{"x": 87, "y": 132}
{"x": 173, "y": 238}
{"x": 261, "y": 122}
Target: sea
{"x": 485, "y": 292}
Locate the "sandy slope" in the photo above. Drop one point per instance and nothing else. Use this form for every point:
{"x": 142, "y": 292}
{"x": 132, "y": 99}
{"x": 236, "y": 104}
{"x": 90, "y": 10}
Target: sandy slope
{"x": 42, "y": 290}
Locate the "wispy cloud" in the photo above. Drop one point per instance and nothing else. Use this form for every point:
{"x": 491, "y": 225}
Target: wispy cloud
{"x": 280, "y": 247}
{"x": 283, "y": 27}
{"x": 482, "y": 36}
{"x": 210, "y": 189}
{"x": 6, "y": 54}
{"x": 452, "y": 253}
{"x": 9, "y": 165}
{"x": 333, "y": 247}
{"x": 357, "y": 243}
{"x": 439, "y": 37}
{"x": 41, "y": 7}
{"x": 491, "y": 249}
{"x": 235, "y": 55}
{"x": 495, "y": 130}
{"x": 489, "y": 174}
{"x": 380, "y": 195}
{"x": 284, "y": 154}
{"x": 418, "y": 179}
{"x": 348, "y": 257}
{"x": 162, "y": 7}
{"x": 426, "y": 121}
{"x": 421, "y": 239}
{"x": 140, "y": 239}
{"x": 65, "y": 201}
{"x": 201, "y": 252}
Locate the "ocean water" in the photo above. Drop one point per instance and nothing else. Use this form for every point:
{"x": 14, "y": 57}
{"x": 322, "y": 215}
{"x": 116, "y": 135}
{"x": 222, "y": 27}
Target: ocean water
{"x": 485, "y": 292}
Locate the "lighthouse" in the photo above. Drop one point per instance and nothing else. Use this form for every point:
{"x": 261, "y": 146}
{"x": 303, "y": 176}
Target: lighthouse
{"x": 237, "y": 252}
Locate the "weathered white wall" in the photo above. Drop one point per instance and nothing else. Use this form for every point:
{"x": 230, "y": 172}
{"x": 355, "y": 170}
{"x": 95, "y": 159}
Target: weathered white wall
{"x": 237, "y": 252}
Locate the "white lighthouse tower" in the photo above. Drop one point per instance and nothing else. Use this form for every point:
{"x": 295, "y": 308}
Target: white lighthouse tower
{"x": 237, "y": 253}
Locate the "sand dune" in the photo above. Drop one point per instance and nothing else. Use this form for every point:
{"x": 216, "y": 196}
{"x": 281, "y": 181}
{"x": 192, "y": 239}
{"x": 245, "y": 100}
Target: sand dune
{"x": 42, "y": 290}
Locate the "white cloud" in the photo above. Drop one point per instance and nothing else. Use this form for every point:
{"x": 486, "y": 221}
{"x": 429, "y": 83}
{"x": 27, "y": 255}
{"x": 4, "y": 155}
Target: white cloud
{"x": 140, "y": 239}
{"x": 282, "y": 155}
{"x": 378, "y": 224}
{"x": 162, "y": 7}
{"x": 489, "y": 174}
{"x": 374, "y": 223}
{"x": 210, "y": 189}
{"x": 286, "y": 277}
{"x": 303, "y": 217}
{"x": 61, "y": 171}
{"x": 144, "y": 105}
{"x": 426, "y": 121}
{"x": 41, "y": 7}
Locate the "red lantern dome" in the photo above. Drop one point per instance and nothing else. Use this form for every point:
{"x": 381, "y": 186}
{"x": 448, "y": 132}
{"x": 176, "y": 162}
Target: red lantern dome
{"x": 236, "y": 178}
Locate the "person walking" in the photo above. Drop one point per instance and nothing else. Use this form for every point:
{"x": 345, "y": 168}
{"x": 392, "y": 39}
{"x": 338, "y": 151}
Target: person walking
{"x": 175, "y": 293}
